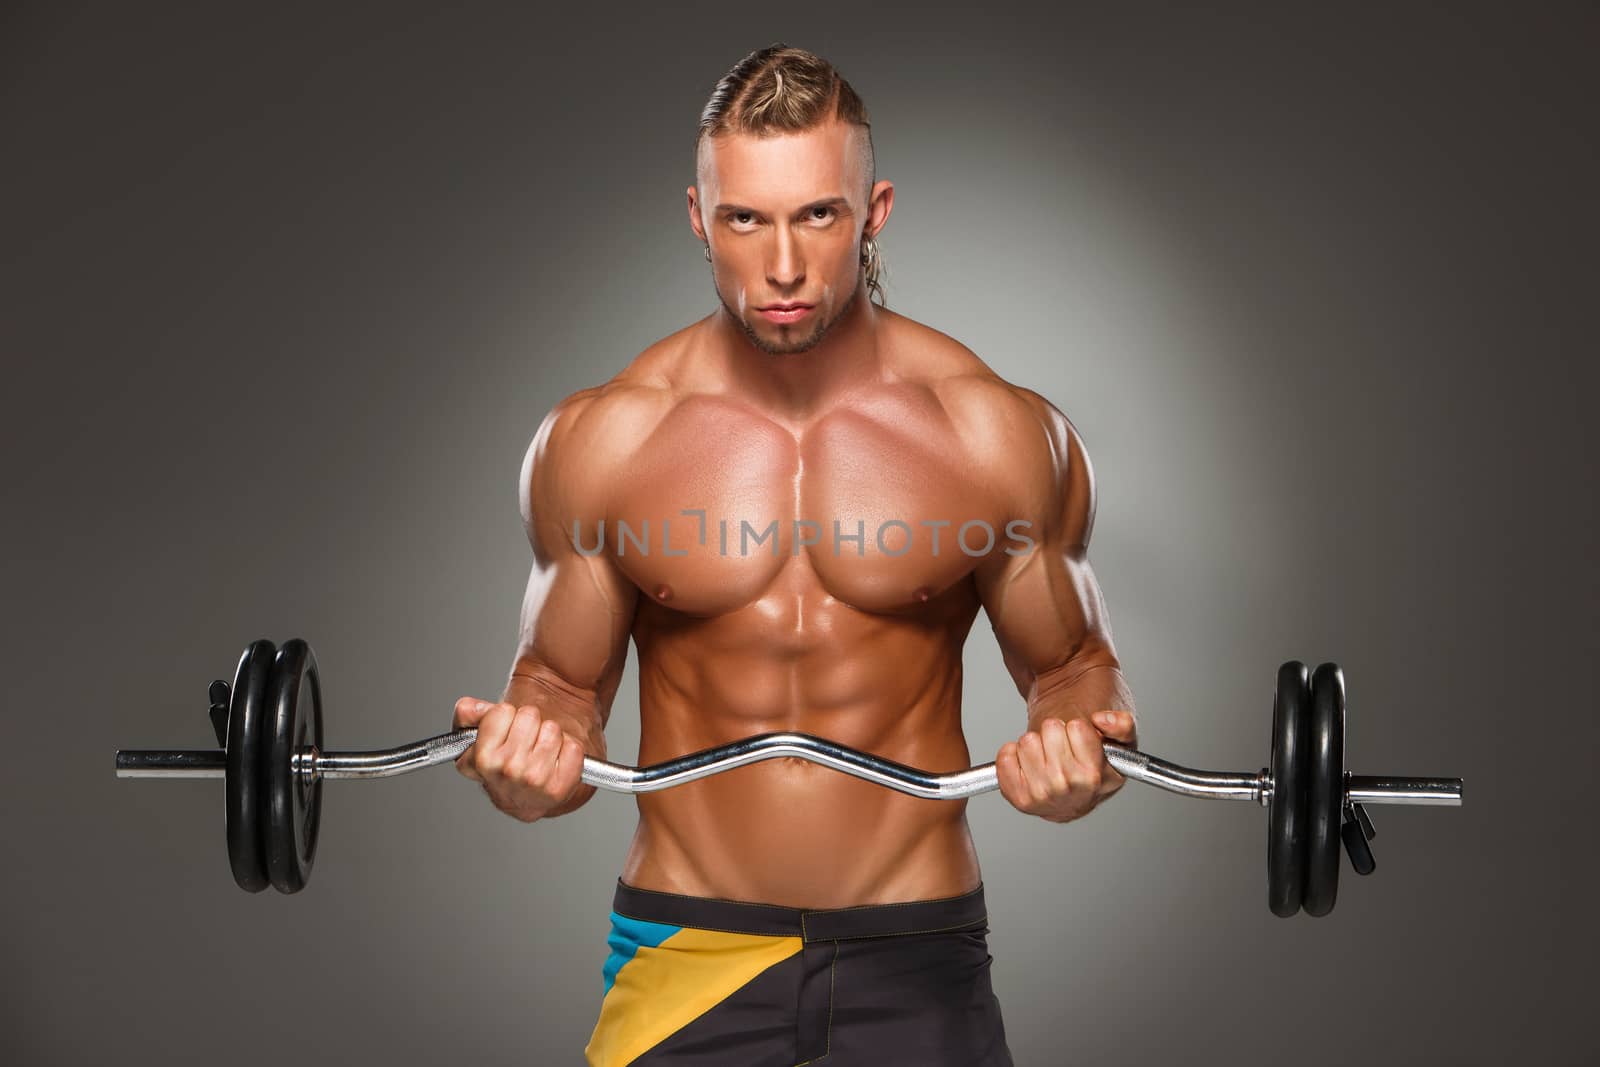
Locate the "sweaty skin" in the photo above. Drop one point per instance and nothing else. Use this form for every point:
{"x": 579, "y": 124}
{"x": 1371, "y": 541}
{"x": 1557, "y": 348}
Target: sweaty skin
{"x": 855, "y": 415}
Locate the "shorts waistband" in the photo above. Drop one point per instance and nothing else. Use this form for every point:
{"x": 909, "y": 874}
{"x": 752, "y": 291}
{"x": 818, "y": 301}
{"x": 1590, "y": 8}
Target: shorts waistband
{"x": 937, "y": 915}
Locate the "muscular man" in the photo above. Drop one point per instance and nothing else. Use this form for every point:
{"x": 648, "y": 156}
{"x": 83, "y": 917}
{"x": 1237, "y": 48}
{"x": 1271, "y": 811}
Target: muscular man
{"x": 795, "y": 508}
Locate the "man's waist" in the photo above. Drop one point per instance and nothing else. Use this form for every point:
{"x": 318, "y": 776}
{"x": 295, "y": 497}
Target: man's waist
{"x": 935, "y": 915}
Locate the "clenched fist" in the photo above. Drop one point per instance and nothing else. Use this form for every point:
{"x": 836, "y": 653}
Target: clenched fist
{"x": 526, "y": 763}
{"x": 1059, "y": 771}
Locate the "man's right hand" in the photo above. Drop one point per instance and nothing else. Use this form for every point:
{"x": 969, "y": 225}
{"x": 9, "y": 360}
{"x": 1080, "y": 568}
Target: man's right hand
{"x": 526, "y": 763}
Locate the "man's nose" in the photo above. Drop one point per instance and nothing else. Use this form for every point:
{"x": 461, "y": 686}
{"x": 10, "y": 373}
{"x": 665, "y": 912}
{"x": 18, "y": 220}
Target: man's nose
{"x": 786, "y": 267}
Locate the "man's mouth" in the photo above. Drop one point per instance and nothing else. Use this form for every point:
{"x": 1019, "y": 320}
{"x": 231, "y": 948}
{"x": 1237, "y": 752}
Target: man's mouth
{"x": 784, "y": 313}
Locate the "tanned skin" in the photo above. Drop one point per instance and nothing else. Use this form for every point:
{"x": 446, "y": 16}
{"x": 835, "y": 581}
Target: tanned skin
{"x": 853, "y": 413}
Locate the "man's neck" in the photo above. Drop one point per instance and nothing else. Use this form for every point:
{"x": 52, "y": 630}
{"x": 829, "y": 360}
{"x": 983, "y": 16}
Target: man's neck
{"x": 796, "y": 386}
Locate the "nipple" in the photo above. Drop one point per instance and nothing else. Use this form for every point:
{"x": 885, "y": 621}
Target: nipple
{"x": 923, "y": 593}
{"x": 663, "y": 593}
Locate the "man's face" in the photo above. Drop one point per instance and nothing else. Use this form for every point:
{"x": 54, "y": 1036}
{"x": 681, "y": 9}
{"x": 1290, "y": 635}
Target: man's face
{"x": 783, "y": 215}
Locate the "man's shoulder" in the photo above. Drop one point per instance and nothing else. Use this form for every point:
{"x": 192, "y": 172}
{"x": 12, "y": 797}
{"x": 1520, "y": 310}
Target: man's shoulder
{"x": 617, "y": 415}
{"x": 1023, "y": 443}
{"x": 959, "y": 376}
{"x": 989, "y": 412}
{"x": 594, "y": 420}
{"x": 592, "y": 435}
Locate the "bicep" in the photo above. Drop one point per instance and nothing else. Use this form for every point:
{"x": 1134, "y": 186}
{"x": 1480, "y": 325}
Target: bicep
{"x": 577, "y": 611}
{"x": 1044, "y": 602}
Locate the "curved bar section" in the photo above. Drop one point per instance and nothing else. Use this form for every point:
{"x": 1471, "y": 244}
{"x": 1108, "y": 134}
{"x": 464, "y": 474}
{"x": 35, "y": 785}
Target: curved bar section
{"x": 874, "y": 769}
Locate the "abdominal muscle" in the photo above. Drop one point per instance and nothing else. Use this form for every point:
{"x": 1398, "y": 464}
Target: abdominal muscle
{"x": 787, "y": 831}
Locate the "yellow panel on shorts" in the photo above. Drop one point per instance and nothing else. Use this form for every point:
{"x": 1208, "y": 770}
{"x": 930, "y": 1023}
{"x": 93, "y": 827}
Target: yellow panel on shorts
{"x": 663, "y": 989}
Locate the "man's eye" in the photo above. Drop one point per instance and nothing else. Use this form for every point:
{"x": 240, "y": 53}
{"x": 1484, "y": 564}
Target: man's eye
{"x": 741, "y": 217}
{"x": 827, "y": 212}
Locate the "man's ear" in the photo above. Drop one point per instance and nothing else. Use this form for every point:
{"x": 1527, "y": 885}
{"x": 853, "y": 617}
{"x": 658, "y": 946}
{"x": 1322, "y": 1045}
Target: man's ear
{"x": 694, "y": 215}
{"x": 880, "y": 202}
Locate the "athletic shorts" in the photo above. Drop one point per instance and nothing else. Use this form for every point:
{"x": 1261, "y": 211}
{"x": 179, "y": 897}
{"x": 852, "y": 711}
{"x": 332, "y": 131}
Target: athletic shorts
{"x": 722, "y": 983}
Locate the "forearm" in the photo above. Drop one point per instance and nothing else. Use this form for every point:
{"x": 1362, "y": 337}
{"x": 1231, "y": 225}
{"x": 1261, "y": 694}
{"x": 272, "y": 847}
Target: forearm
{"x": 1077, "y": 692}
{"x": 575, "y": 710}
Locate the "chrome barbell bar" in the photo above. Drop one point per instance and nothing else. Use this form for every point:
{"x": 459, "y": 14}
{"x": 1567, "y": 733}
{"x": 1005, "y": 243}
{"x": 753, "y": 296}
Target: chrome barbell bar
{"x": 1130, "y": 763}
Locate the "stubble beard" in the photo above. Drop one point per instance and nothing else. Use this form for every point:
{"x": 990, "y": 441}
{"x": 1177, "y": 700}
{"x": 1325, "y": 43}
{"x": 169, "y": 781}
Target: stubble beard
{"x": 810, "y": 341}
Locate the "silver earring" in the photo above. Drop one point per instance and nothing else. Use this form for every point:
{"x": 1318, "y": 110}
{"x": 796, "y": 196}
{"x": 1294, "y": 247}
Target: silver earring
{"x": 708, "y": 253}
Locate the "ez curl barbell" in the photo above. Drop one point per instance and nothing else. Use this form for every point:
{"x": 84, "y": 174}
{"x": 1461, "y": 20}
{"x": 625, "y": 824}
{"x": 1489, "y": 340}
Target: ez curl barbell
{"x": 269, "y": 724}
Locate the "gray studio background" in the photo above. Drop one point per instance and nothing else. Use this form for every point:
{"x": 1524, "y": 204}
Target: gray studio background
{"x": 286, "y": 291}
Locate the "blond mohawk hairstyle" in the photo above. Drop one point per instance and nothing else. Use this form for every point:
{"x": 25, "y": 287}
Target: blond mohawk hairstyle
{"x": 779, "y": 88}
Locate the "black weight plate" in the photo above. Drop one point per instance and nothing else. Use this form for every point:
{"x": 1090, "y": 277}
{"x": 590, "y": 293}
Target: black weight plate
{"x": 294, "y": 803}
{"x": 1326, "y": 788}
{"x": 247, "y": 725}
{"x": 1286, "y": 811}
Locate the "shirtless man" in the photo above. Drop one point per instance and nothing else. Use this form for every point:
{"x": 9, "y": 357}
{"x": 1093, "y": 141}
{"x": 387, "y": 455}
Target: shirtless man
{"x": 796, "y": 515}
